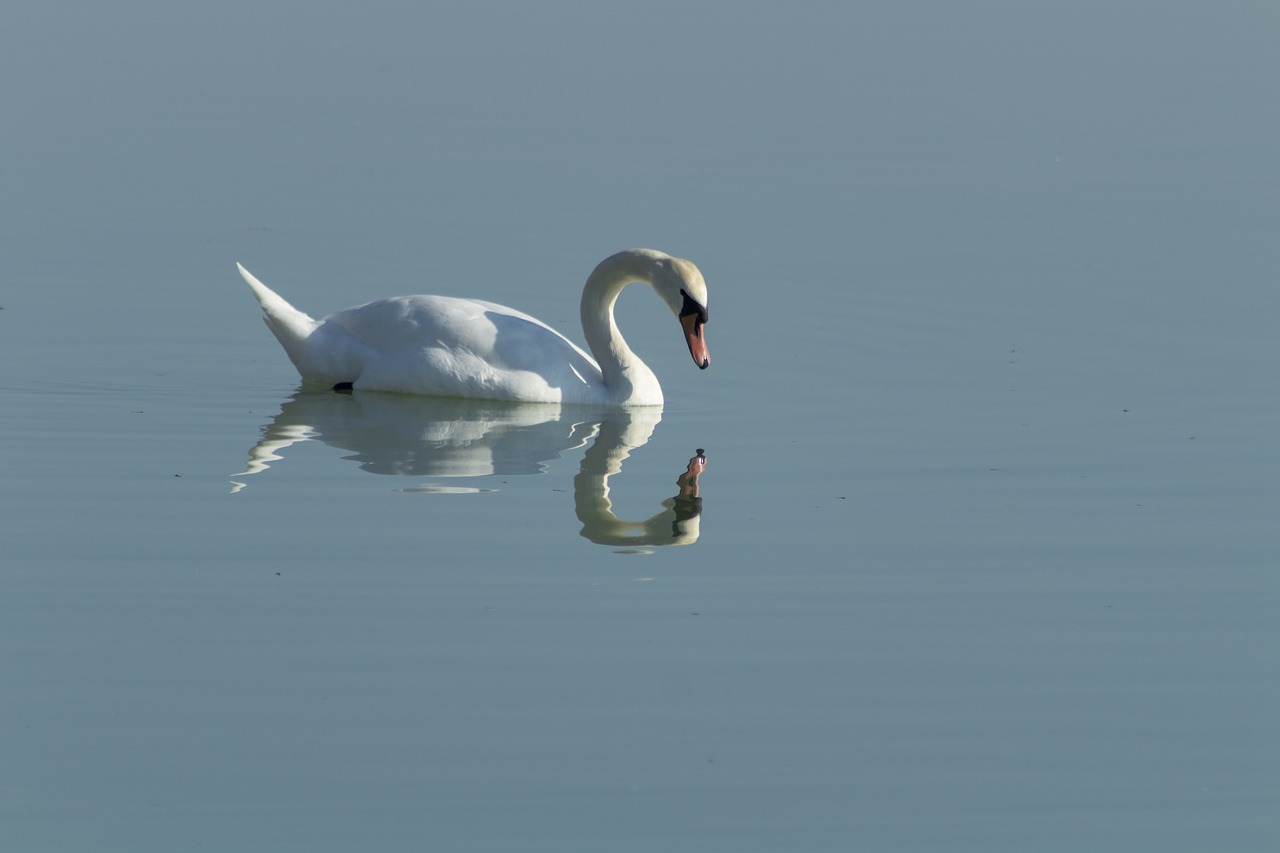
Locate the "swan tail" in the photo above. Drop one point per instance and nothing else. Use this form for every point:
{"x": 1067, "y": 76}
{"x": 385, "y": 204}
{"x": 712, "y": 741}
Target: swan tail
{"x": 286, "y": 322}
{"x": 319, "y": 352}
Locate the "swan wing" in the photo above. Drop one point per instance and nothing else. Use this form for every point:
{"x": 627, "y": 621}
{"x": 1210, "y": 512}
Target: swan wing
{"x": 466, "y": 348}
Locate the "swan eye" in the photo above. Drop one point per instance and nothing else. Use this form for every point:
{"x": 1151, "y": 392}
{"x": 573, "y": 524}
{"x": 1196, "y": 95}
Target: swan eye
{"x": 692, "y": 306}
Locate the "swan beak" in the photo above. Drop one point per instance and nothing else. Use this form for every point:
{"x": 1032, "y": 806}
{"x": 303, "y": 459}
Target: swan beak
{"x": 692, "y": 324}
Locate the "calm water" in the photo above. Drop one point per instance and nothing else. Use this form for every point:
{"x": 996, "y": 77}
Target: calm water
{"x": 984, "y": 557}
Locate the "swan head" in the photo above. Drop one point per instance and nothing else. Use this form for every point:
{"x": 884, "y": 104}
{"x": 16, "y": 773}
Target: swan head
{"x": 681, "y": 286}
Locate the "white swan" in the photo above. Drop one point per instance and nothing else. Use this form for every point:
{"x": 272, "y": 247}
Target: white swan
{"x": 451, "y": 347}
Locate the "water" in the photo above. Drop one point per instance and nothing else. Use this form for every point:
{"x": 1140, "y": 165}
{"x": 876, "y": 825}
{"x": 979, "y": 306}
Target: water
{"x": 984, "y": 554}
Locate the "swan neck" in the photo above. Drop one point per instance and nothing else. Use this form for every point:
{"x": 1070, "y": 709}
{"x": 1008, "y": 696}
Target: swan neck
{"x": 622, "y": 369}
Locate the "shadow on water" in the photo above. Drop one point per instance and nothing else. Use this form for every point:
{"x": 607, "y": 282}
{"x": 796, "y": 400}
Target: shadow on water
{"x": 433, "y": 437}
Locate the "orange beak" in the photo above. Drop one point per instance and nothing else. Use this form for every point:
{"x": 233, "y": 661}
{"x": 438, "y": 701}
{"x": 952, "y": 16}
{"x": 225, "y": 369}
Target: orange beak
{"x": 697, "y": 343}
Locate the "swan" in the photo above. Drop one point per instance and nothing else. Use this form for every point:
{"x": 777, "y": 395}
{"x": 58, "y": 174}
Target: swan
{"x": 450, "y": 347}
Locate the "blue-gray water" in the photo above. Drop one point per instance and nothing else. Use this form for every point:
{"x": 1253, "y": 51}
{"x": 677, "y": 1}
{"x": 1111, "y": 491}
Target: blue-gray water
{"x": 985, "y": 554}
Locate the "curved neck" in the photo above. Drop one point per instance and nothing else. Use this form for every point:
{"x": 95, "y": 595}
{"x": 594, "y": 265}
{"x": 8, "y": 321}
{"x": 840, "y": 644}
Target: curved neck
{"x": 619, "y": 434}
{"x": 624, "y": 373}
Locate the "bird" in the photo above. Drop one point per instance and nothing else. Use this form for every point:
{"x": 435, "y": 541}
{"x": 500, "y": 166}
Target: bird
{"x": 450, "y": 347}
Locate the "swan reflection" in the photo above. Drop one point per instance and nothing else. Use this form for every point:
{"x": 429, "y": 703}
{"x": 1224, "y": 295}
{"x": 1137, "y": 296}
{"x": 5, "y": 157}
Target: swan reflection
{"x": 445, "y": 438}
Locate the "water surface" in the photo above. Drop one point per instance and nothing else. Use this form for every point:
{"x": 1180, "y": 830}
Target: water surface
{"x": 983, "y": 557}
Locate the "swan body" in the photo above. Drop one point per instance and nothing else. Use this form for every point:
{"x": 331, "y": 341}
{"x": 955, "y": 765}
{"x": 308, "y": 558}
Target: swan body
{"x": 451, "y": 347}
